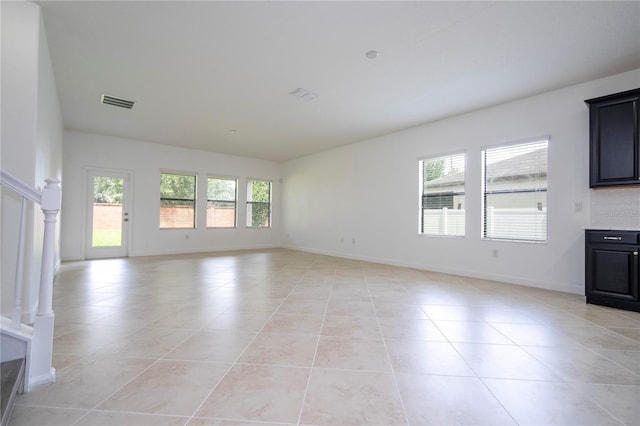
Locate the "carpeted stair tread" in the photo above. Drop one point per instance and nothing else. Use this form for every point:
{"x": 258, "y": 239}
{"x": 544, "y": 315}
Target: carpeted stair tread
{"x": 12, "y": 375}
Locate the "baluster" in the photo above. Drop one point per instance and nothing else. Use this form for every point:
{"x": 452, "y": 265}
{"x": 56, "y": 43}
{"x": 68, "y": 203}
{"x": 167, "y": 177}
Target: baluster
{"x": 16, "y": 315}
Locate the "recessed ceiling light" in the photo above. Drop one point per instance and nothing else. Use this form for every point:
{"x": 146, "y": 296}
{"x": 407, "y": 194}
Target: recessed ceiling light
{"x": 233, "y": 131}
{"x": 372, "y": 54}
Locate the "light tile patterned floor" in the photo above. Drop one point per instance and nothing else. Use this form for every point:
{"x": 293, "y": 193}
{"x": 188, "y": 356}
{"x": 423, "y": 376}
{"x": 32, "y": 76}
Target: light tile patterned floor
{"x": 284, "y": 337}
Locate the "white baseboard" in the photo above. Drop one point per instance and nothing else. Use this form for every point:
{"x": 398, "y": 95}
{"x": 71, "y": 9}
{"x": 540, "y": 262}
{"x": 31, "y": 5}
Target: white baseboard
{"x": 143, "y": 253}
{"x": 202, "y": 250}
{"x": 75, "y": 258}
{"x": 555, "y": 286}
{"x": 42, "y": 380}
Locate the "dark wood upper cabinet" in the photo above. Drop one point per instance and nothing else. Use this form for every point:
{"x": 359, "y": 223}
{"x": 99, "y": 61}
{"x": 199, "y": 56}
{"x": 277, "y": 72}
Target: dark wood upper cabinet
{"x": 614, "y": 143}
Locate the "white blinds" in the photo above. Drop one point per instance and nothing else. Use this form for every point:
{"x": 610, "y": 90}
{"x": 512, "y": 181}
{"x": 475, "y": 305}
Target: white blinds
{"x": 443, "y": 195}
{"x": 515, "y": 192}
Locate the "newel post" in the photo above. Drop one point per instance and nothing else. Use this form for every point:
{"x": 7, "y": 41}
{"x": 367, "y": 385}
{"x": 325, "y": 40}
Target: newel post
{"x": 50, "y": 205}
{"x": 41, "y": 370}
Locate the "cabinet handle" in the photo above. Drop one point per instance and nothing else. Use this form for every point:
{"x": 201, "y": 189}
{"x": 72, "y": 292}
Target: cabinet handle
{"x": 613, "y": 238}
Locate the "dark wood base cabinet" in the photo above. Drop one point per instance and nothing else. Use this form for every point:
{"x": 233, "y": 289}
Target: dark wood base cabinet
{"x": 612, "y": 268}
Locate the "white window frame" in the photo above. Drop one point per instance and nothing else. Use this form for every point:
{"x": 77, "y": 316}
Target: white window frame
{"x": 449, "y": 220}
{"x": 511, "y": 234}
{"x": 250, "y": 203}
{"x": 235, "y": 201}
{"x": 195, "y": 197}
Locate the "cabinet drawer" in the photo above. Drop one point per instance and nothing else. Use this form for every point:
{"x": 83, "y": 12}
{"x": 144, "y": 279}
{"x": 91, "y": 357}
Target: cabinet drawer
{"x": 613, "y": 237}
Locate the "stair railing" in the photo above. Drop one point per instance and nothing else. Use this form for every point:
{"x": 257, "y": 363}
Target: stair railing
{"x": 27, "y": 194}
{"x": 40, "y": 369}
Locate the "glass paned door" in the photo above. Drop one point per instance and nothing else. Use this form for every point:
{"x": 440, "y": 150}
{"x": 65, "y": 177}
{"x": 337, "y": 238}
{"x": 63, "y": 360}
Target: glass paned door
{"x": 107, "y": 215}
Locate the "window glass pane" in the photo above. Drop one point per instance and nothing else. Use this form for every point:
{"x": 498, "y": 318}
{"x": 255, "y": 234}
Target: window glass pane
{"x": 515, "y": 192}
{"x": 221, "y": 203}
{"x": 177, "y": 201}
{"x": 443, "y": 195}
{"x": 258, "y": 203}
{"x": 108, "y": 194}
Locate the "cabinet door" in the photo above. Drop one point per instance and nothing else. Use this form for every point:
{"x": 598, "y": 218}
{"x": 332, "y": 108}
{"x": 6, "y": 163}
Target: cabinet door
{"x": 612, "y": 271}
{"x": 615, "y": 153}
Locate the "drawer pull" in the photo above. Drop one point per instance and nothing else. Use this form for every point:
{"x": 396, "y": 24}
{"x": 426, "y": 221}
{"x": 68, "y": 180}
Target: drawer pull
{"x": 613, "y": 238}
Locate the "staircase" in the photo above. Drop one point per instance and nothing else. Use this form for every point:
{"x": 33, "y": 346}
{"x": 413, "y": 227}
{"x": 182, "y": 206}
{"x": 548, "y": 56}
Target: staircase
{"x": 26, "y": 349}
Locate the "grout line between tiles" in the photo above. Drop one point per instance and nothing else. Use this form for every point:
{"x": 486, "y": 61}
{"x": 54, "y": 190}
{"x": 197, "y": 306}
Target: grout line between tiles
{"x": 93, "y": 410}
{"x": 393, "y": 370}
{"x": 315, "y": 352}
{"x": 157, "y": 360}
{"x": 234, "y": 363}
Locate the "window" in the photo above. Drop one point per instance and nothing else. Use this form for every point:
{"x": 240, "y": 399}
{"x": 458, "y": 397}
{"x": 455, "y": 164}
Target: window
{"x": 221, "y": 202}
{"x": 177, "y": 201}
{"x": 258, "y": 203}
{"x": 442, "y": 201}
{"x": 515, "y": 192}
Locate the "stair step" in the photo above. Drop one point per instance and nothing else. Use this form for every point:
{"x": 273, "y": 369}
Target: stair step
{"x": 12, "y": 373}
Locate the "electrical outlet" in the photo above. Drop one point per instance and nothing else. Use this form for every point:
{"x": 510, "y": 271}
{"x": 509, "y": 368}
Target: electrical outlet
{"x": 578, "y": 206}
{"x": 495, "y": 253}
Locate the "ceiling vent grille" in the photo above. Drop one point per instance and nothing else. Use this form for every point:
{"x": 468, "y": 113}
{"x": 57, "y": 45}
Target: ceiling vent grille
{"x": 118, "y": 102}
{"x": 303, "y": 94}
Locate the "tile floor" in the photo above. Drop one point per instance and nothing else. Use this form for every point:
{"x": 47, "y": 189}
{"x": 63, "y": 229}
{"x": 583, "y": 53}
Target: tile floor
{"x": 284, "y": 337}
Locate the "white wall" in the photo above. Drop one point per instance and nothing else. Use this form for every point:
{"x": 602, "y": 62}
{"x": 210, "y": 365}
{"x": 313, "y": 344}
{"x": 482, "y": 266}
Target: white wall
{"x": 361, "y": 201}
{"x": 49, "y": 130}
{"x": 145, "y": 160}
{"x": 31, "y": 147}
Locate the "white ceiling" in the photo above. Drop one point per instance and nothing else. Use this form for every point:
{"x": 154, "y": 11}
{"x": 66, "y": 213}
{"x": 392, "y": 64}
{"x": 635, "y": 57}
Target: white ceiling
{"x": 197, "y": 70}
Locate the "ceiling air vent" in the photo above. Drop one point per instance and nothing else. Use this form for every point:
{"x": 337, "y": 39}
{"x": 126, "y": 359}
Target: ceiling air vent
{"x": 118, "y": 102}
{"x": 303, "y": 94}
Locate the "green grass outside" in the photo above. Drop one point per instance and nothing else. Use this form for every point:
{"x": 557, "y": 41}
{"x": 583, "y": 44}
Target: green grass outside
{"x": 107, "y": 238}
